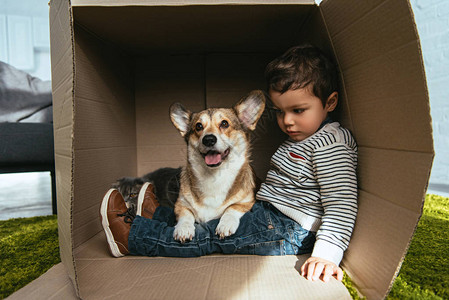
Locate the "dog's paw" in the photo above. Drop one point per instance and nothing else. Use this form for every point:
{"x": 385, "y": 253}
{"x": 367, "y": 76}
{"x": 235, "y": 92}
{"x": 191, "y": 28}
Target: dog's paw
{"x": 227, "y": 226}
{"x": 184, "y": 232}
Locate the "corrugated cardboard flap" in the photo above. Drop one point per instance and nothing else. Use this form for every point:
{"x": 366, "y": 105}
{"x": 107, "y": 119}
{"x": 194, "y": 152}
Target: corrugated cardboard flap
{"x": 182, "y": 2}
{"x": 63, "y": 68}
{"x": 378, "y": 51}
{"x": 116, "y": 70}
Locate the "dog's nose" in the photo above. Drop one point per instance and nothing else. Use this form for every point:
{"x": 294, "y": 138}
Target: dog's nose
{"x": 209, "y": 140}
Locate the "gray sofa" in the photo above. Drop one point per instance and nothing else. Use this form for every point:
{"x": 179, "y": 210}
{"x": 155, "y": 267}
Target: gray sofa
{"x": 26, "y": 124}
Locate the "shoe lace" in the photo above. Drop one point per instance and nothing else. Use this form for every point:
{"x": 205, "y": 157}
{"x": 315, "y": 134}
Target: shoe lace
{"x": 129, "y": 215}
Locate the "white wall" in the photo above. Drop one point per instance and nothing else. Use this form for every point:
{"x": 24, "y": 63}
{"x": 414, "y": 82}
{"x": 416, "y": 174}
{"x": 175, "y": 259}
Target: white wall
{"x": 432, "y": 20}
{"x": 24, "y": 36}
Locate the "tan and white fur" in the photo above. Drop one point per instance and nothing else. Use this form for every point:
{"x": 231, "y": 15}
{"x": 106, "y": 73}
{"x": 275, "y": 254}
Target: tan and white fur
{"x": 217, "y": 181}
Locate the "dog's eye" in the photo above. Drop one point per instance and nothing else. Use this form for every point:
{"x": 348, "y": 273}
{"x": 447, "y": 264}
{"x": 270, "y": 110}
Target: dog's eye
{"x": 198, "y": 127}
{"x": 224, "y": 124}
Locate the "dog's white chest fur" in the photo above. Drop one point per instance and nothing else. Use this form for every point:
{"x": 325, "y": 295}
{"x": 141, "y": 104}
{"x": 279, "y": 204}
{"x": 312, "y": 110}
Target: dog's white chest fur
{"x": 214, "y": 189}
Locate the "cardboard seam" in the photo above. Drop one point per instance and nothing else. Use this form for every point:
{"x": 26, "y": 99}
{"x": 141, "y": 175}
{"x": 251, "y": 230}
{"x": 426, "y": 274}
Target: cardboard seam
{"x": 63, "y": 127}
{"x": 62, "y": 57}
{"x": 393, "y": 203}
{"x": 79, "y": 3}
{"x": 96, "y": 204}
{"x": 103, "y": 148}
{"x": 61, "y": 83}
{"x": 162, "y": 145}
{"x": 165, "y": 160}
{"x": 62, "y": 155}
{"x": 72, "y": 38}
{"x": 98, "y": 101}
{"x": 86, "y": 264}
{"x": 397, "y": 150}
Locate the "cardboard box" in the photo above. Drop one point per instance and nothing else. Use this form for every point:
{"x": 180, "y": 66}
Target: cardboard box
{"x": 118, "y": 65}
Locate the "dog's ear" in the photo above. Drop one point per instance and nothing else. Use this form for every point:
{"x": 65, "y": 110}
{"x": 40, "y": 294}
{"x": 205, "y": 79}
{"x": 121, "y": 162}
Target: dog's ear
{"x": 250, "y": 108}
{"x": 180, "y": 117}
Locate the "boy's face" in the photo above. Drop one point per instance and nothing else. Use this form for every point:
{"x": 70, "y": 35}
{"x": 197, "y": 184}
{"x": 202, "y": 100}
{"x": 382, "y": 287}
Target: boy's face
{"x": 299, "y": 112}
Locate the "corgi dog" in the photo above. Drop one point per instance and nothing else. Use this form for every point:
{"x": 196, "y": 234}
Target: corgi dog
{"x": 217, "y": 181}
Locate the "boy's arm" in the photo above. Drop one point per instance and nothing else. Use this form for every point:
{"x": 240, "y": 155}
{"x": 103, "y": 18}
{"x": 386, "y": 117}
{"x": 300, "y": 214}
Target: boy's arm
{"x": 335, "y": 170}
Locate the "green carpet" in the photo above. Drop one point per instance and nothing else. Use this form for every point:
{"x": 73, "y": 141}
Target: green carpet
{"x": 425, "y": 271}
{"x": 29, "y": 247}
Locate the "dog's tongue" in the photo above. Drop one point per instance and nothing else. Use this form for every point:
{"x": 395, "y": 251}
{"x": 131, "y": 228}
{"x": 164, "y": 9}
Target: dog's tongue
{"x": 212, "y": 158}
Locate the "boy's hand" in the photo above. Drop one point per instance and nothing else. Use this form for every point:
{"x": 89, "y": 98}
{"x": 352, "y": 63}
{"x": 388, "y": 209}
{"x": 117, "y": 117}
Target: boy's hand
{"x": 315, "y": 268}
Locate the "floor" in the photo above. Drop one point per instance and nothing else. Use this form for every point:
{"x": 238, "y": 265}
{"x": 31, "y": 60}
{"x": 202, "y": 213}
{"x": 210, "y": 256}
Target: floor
{"x": 25, "y": 195}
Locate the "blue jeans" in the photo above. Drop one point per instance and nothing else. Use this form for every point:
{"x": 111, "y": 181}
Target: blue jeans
{"x": 263, "y": 231}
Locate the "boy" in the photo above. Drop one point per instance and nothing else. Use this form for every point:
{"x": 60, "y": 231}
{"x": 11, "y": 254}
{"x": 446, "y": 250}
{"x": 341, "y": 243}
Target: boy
{"x": 308, "y": 203}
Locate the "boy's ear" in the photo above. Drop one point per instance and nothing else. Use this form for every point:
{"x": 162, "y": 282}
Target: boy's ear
{"x": 331, "y": 102}
{"x": 180, "y": 117}
{"x": 250, "y": 109}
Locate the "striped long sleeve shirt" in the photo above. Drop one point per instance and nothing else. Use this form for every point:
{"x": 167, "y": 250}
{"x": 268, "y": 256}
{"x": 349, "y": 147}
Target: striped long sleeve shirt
{"x": 314, "y": 182}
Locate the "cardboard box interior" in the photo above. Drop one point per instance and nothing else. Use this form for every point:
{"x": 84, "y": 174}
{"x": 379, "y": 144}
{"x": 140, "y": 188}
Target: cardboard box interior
{"x": 116, "y": 70}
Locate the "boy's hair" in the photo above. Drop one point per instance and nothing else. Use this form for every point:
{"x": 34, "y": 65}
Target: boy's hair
{"x": 301, "y": 66}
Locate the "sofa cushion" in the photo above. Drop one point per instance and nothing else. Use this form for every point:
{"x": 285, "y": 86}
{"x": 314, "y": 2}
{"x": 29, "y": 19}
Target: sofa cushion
{"x": 26, "y": 145}
{"x": 23, "y": 98}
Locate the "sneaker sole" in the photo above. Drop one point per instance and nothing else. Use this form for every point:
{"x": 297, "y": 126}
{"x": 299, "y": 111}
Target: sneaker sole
{"x": 141, "y": 197}
{"x": 104, "y": 221}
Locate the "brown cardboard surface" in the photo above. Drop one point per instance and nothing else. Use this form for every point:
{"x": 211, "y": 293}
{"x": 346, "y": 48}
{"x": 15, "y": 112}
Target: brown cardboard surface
{"x": 53, "y": 284}
{"x": 210, "y": 277}
{"x": 161, "y": 81}
{"x": 212, "y": 31}
{"x": 315, "y": 31}
{"x": 104, "y": 129}
{"x": 410, "y": 167}
{"x": 131, "y": 62}
{"x": 381, "y": 65}
{"x": 102, "y": 168}
{"x": 206, "y": 278}
{"x": 183, "y": 2}
{"x": 378, "y": 243}
{"x": 63, "y": 89}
